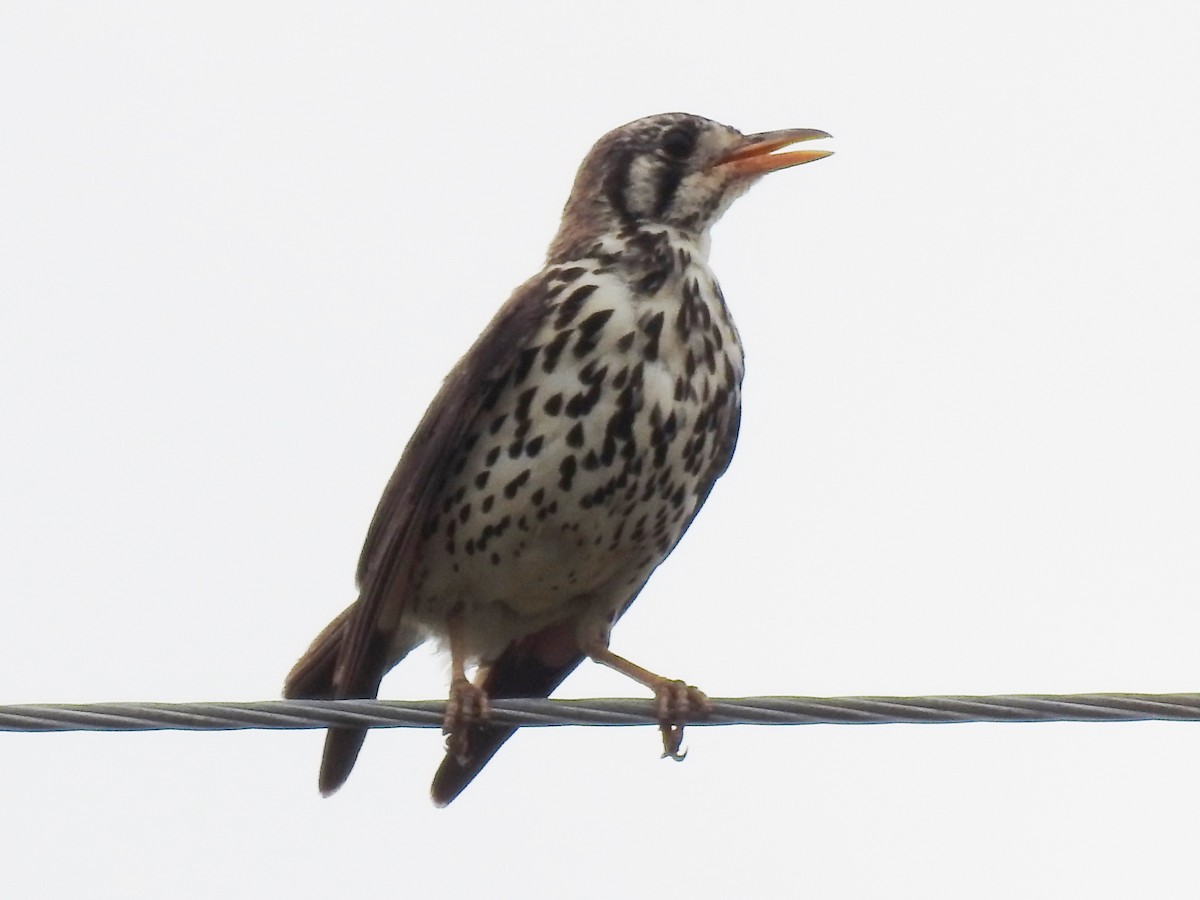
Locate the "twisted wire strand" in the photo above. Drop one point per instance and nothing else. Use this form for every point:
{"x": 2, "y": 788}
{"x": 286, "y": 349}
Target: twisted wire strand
{"x": 302, "y": 714}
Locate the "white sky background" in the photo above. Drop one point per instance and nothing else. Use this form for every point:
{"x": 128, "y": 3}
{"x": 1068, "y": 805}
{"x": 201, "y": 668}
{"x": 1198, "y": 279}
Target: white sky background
{"x": 239, "y": 247}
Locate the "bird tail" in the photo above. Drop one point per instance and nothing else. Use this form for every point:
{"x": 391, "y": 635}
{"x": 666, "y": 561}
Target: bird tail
{"x": 312, "y": 678}
{"x": 517, "y": 673}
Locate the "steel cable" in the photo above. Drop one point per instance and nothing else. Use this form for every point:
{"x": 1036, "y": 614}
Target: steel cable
{"x": 301, "y": 714}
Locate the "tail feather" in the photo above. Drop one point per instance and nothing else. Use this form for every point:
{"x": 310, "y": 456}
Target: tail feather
{"x": 341, "y": 753}
{"x": 516, "y": 673}
{"x": 312, "y": 678}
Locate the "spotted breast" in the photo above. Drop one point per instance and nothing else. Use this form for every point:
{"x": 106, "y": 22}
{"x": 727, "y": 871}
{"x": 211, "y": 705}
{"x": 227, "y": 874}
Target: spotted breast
{"x": 591, "y": 452}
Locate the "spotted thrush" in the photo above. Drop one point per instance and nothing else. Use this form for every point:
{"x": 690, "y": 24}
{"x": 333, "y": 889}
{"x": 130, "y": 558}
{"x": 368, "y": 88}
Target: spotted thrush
{"x": 565, "y": 454}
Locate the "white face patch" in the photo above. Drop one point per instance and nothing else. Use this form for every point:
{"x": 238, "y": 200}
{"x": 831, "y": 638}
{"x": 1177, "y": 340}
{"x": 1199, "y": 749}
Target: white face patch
{"x": 641, "y": 194}
{"x": 699, "y": 196}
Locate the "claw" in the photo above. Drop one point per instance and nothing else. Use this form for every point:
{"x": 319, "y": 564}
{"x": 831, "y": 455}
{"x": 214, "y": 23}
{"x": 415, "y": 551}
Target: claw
{"x": 467, "y": 706}
{"x": 677, "y": 703}
{"x": 672, "y": 736}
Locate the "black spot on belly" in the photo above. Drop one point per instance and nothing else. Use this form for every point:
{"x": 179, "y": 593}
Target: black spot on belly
{"x": 650, "y": 283}
{"x": 683, "y": 318}
{"x": 510, "y": 489}
{"x": 566, "y": 471}
{"x": 589, "y": 332}
{"x": 523, "y": 404}
{"x": 573, "y": 304}
{"x": 616, "y": 538}
{"x": 620, "y": 423}
{"x": 639, "y": 530}
{"x": 652, "y": 329}
{"x": 591, "y": 373}
{"x": 554, "y": 350}
{"x": 581, "y": 404}
{"x": 525, "y": 361}
{"x": 609, "y": 451}
{"x": 553, "y": 406}
{"x": 575, "y": 435}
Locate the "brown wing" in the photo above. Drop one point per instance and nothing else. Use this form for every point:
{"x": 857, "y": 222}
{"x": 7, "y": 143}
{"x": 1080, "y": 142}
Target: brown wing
{"x": 521, "y": 671}
{"x": 387, "y": 561}
{"x": 352, "y": 654}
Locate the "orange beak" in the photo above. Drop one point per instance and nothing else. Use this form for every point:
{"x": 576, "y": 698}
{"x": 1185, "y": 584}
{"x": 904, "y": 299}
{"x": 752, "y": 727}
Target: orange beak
{"x": 756, "y": 156}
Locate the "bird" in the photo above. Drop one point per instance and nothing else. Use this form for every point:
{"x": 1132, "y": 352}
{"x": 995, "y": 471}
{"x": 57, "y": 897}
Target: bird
{"x": 565, "y": 454}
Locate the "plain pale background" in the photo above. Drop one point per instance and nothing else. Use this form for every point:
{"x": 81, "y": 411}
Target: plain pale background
{"x": 240, "y": 244}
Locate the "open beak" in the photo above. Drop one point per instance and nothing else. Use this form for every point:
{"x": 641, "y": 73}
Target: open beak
{"x": 756, "y": 156}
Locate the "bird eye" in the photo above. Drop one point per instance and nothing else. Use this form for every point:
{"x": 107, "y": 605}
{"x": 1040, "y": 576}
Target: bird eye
{"x": 679, "y": 143}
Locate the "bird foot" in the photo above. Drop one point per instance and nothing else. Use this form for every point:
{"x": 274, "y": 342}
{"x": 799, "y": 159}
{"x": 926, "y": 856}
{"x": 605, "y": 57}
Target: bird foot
{"x": 467, "y": 706}
{"x": 677, "y": 703}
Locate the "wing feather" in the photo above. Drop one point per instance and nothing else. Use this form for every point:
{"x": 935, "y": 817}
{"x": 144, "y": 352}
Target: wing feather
{"x": 386, "y": 565}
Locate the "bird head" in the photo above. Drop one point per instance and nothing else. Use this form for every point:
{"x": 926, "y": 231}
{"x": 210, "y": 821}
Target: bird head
{"x": 673, "y": 169}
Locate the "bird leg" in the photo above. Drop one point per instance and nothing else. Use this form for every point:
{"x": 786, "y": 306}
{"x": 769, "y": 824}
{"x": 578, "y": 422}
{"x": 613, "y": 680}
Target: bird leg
{"x": 468, "y": 703}
{"x": 675, "y": 701}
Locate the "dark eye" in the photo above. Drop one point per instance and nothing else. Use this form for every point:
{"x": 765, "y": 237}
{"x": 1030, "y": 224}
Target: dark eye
{"x": 678, "y": 143}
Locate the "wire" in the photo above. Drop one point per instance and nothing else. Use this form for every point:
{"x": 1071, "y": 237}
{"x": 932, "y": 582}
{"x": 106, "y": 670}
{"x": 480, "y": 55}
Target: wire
{"x": 299, "y": 714}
